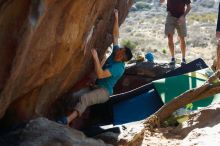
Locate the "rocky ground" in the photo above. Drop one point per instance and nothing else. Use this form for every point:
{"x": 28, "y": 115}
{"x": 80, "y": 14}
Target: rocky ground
{"x": 202, "y": 129}
{"x": 144, "y": 30}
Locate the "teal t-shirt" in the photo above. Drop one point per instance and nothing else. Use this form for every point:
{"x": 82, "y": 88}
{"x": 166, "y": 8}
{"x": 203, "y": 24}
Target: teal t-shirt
{"x": 116, "y": 69}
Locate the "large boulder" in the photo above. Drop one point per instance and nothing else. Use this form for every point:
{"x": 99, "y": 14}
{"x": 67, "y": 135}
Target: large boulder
{"x": 140, "y": 73}
{"x": 43, "y": 132}
{"x": 45, "y": 50}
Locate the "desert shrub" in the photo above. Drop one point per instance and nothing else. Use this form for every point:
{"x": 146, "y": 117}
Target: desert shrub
{"x": 139, "y": 34}
{"x": 179, "y": 116}
{"x": 142, "y": 21}
{"x": 205, "y": 17}
{"x": 128, "y": 29}
{"x": 143, "y": 6}
{"x": 189, "y": 106}
{"x": 164, "y": 50}
{"x": 171, "y": 121}
{"x": 143, "y": 49}
{"x": 208, "y": 3}
{"x": 128, "y": 43}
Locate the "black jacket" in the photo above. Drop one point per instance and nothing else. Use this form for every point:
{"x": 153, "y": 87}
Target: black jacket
{"x": 218, "y": 21}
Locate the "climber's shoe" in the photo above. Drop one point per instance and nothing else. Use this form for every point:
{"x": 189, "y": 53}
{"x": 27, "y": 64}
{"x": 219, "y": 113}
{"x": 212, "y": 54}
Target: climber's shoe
{"x": 62, "y": 120}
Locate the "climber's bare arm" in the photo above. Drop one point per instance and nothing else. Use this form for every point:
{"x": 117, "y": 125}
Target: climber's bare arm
{"x": 98, "y": 68}
{"x": 116, "y": 28}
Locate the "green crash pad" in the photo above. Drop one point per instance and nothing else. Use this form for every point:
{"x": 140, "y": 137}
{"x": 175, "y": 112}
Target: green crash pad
{"x": 171, "y": 87}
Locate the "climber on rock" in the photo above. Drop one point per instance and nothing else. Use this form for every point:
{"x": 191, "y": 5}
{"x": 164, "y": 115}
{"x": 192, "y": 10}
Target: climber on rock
{"x": 107, "y": 75}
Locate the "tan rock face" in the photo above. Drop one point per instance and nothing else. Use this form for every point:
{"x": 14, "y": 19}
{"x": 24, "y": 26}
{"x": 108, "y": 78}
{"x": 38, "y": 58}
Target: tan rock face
{"x": 45, "y": 49}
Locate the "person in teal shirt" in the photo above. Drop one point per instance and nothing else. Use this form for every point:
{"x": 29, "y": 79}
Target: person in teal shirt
{"x": 107, "y": 75}
{"x": 115, "y": 68}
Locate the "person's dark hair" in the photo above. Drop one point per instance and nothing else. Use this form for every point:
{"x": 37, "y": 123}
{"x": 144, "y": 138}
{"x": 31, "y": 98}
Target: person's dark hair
{"x": 128, "y": 54}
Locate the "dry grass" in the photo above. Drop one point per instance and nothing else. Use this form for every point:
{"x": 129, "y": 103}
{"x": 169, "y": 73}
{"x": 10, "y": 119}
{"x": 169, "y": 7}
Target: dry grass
{"x": 202, "y": 18}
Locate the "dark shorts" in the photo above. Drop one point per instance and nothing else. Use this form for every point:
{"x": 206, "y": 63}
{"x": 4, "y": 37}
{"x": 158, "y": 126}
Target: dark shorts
{"x": 171, "y": 25}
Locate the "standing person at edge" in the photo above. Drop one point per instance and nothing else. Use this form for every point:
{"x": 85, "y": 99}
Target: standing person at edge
{"x": 108, "y": 75}
{"x": 177, "y": 11}
{"x": 218, "y": 40}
